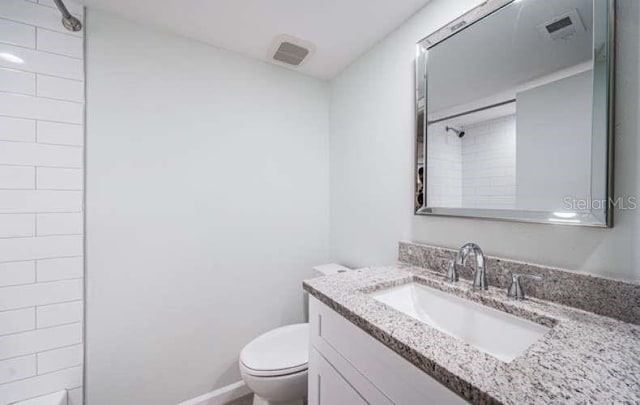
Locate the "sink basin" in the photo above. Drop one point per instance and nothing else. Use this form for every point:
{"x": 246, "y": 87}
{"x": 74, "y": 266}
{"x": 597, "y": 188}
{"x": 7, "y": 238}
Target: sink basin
{"x": 494, "y": 332}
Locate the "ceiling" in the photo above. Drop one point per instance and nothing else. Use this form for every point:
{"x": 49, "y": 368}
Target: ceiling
{"x": 341, "y": 30}
{"x": 504, "y": 51}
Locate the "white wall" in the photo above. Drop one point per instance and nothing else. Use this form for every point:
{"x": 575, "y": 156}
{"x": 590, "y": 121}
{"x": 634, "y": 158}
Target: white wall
{"x": 41, "y": 219}
{"x": 207, "y": 206}
{"x": 554, "y": 127}
{"x": 372, "y": 159}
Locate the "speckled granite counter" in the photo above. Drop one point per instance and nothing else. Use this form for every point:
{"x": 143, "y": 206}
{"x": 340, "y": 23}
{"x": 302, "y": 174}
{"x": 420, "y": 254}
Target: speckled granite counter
{"x": 584, "y": 359}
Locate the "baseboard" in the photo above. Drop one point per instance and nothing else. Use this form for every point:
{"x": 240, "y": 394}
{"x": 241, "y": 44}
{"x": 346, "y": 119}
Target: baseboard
{"x": 220, "y": 396}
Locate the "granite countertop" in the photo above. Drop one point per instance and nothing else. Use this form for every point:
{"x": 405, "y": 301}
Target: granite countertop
{"x": 584, "y": 358}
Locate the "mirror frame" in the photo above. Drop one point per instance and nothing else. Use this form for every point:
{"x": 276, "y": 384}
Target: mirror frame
{"x": 602, "y": 218}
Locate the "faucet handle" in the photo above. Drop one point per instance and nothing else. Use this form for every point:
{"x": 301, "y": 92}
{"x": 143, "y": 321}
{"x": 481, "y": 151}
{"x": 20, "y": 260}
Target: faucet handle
{"x": 452, "y": 272}
{"x": 515, "y": 290}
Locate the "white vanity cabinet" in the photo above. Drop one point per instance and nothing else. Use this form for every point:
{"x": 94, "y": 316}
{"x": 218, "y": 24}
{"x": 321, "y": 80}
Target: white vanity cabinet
{"x": 347, "y": 366}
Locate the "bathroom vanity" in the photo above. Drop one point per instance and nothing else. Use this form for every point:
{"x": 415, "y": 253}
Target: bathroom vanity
{"x": 347, "y": 365}
{"x": 405, "y": 335}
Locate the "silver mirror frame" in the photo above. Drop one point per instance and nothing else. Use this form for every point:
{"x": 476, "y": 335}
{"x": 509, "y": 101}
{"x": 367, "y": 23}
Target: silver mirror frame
{"x": 600, "y": 219}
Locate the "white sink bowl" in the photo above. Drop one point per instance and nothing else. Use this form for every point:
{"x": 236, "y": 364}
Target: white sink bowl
{"x": 494, "y": 332}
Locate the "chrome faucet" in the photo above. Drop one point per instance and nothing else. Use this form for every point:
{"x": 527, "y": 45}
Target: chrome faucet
{"x": 479, "y": 269}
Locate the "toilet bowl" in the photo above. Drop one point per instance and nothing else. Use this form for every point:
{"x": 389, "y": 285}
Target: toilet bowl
{"x": 274, "y": 365}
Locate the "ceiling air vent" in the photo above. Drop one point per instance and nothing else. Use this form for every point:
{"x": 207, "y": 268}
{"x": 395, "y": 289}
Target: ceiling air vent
{"x": 563, "y": 26}
{"x": 290, "y": 51}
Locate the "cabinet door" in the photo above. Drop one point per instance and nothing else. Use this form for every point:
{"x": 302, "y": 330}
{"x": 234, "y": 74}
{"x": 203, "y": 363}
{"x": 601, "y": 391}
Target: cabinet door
{"x": 379, "y": 374}
{"x": 327, "y": 386}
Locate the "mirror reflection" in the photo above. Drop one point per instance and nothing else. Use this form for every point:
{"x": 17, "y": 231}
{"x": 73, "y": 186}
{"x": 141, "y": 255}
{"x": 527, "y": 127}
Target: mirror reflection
{"x": 515, "y": 121}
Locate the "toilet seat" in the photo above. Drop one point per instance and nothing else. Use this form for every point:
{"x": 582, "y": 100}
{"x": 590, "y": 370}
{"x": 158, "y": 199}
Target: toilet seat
{"x": 279, "y": 352}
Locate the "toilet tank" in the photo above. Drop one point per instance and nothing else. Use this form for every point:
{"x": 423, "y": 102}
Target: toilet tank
{"x": 330, "y": 268}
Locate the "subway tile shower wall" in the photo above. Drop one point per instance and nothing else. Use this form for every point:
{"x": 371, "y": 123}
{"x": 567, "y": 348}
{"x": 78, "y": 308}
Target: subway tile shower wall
{"x": 476, "y": 171}
{"x": 41, "y": 201}
{"x": 489, "y": 164}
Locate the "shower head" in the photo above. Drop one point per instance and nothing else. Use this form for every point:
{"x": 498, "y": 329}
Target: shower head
{"x": 458, "y": 132}
{"x": 70, "y": 22}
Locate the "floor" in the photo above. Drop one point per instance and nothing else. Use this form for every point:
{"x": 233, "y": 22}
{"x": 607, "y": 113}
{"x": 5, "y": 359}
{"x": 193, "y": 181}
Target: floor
{"x": 246, "y": 400}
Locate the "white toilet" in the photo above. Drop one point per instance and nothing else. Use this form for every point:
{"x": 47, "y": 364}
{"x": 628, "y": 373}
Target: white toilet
{"x": 275, "y": 365}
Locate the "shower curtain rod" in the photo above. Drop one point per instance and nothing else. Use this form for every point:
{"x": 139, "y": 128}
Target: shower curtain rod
{"x": 472, "y": 111}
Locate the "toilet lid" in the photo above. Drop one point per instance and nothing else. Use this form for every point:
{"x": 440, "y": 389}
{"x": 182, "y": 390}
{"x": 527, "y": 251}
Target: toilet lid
{"x": 280, "y": 351}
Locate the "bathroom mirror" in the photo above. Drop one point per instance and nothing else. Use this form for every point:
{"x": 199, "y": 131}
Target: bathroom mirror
{"x": 514, "y": 114}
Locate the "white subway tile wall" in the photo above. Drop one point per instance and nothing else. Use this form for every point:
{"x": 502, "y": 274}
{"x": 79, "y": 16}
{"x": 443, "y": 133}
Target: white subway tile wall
{"x": 59, "y": 359}
{"x": 41, "y": 201}
{"x": 52, "y": 178}
{"x": 61, "y": 89}
{"x": 17, "y": 368}
{"x": 60, "y": 134}
{"x": 59, "y": 314}
{"x": 16, "y": 273}
{"x": 18, "y": 34}
{"x": 444, "y": 167}
{"x": 17, "y": 129}
{"x": 476, "y": 171}
{"x": 60, "y": 223}
{"x": 489, "y": 164}
{"x": 15, "y": 81}
{"x": 19, "y": 320}
{"x": 17, "y": 177}
{"x": 17, "y": 225}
